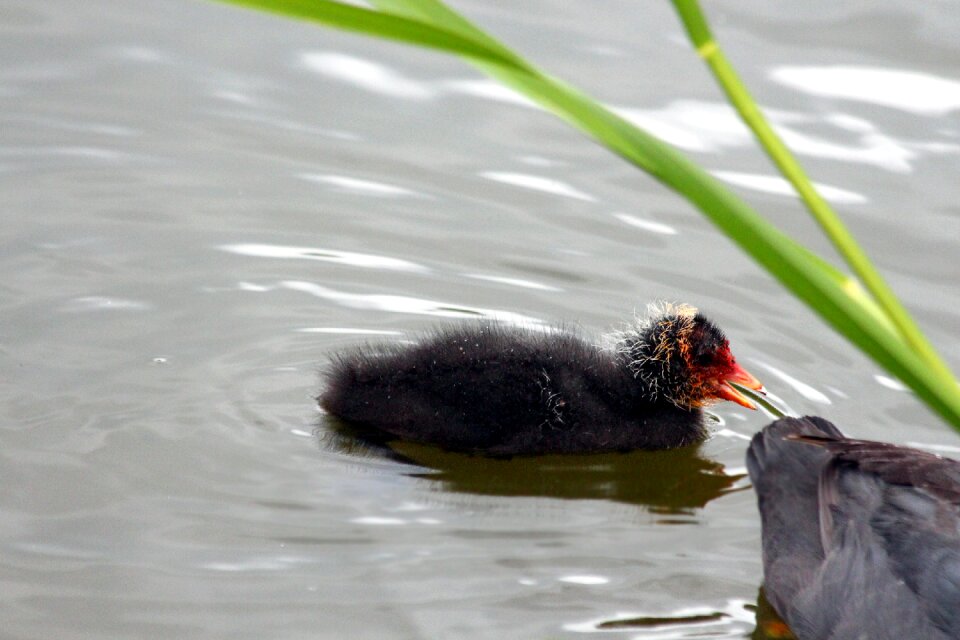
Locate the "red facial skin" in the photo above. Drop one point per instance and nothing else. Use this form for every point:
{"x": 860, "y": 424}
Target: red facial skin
{"x": 713, "y": 380}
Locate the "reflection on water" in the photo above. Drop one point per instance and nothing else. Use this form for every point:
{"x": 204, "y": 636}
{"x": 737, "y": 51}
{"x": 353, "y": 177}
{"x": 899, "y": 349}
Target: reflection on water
{"x": 655, "y": 621}
{"x": 646, "y": 225}
{"x": 732, "y": 620}
{"x": 365, "y": 74}
{"x": 779, "y": 186}
{"x": 398, "y": 303}
{"x": 710, "y": 127}
{"x": 915, "y": 92}
{"x": 347, "y": 258}
{"x": 538, "y": 183}
{"x": 676, "y": 481}
{"x": 359, "y": 186}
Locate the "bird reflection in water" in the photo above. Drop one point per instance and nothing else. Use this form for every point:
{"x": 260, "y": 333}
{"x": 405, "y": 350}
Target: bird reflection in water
{"x": 732, "y": 620}
{"x": 674, "y": 481}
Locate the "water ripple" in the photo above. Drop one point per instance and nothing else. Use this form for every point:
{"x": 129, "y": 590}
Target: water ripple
{"x": 489, "y": 90}
{"x": 779, "y": 186}
{"x": 364, "y": 260}
{"x": 513, "y": 282}
{"x": 708, "y": 127}
{"x": 284, "y": 124}
{"x": 646, "y": 225}
{"x": 404, "y": 304}
{"x": 104, "y": 303}
{"x": 890, "y": 383}
{"x": 267, "y": 563}
{"x": 538, "y": 183}
{"x": 92, "y": 153}
{"x": 379, "y": 521}
{"x": 918, "y": 93}
{"x": 365, "y": 74}
{"x": 589, "y": 580}
{"x": 799, "y": 386}
{"x": 350, "y": 331}
{"x": 66, "y": 124}
{"x": 360, "y": 186}
{"x": 876, "y": 148}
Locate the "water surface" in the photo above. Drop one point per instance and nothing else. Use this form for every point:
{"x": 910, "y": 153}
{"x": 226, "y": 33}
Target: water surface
{"x": 201, "y": 204}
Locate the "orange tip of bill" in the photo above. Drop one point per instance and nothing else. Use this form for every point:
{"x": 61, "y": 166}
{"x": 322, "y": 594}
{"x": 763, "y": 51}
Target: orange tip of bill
{"x": 739, "y": 375}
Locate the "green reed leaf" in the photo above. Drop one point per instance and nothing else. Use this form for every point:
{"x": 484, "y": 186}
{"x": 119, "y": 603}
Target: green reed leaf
{"x": 383, "y": 25}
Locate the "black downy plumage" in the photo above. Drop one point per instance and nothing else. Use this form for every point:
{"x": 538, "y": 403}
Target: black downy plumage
{"x": 509, "y": 391}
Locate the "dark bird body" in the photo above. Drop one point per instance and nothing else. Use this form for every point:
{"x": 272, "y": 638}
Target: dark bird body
{"x": 860, "y": 539}
{"x": 504, "y": 391}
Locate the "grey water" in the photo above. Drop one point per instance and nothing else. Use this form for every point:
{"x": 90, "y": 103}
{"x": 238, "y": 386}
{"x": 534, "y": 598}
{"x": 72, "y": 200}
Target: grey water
{"x": 200, "y": 204}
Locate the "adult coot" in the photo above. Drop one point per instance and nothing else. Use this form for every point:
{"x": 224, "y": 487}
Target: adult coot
{"x": 507, "y": 391}
{"x": 860, "y": 539}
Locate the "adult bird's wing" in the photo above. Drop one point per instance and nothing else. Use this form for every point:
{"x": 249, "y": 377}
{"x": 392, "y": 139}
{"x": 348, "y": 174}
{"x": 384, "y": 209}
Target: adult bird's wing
{"x": 860, "y": 539}
{"x": 905, "y": 505}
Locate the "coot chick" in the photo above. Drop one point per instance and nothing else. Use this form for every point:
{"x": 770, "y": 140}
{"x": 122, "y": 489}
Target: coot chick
{"x": 505, "y": 391}
{"x": 860, "y": 539}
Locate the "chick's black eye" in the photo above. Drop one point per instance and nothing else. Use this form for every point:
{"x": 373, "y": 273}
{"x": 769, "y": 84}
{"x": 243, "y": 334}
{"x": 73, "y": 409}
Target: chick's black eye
{"x": 703, "y": 359}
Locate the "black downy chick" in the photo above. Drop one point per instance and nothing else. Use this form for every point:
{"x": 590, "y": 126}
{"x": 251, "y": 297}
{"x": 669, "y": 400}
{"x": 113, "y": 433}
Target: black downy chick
{"x": 507, "y": 391}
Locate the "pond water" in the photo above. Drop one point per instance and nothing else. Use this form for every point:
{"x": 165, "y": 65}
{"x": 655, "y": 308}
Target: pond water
{"x": 200, "y": 204}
